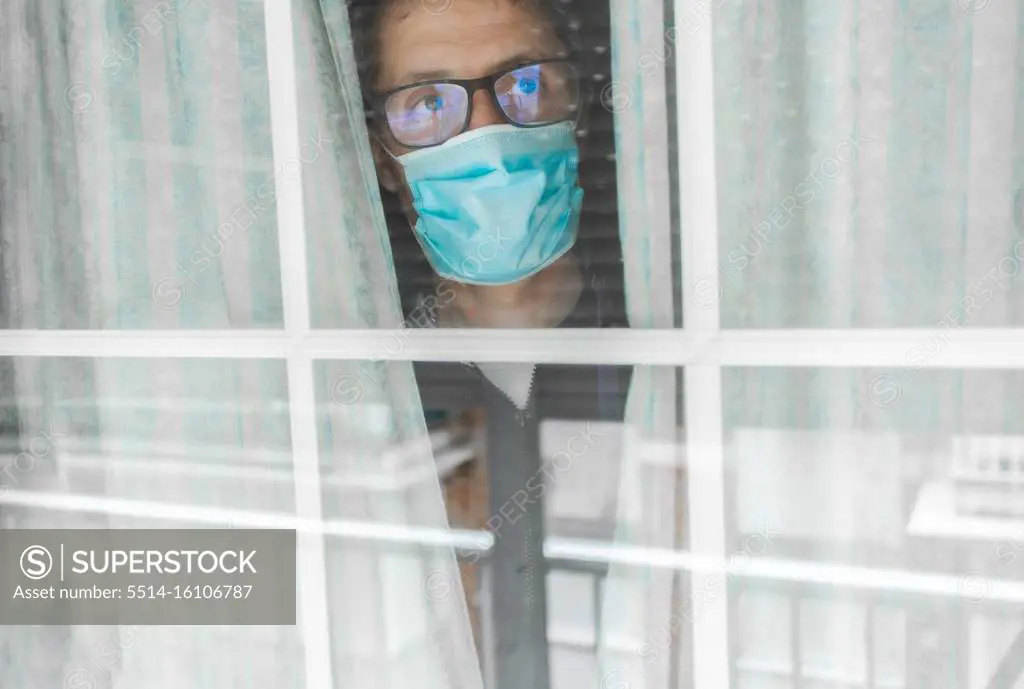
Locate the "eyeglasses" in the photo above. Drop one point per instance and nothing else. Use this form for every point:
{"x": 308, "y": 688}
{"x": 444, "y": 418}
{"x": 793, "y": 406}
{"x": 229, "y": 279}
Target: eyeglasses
{"x": 431, "y": 112}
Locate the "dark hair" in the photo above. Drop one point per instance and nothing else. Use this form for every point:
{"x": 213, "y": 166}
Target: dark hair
{"x": 366, "y": 16}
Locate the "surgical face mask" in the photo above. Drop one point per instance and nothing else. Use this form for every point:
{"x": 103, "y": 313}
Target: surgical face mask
{"x": 496, "y": 204}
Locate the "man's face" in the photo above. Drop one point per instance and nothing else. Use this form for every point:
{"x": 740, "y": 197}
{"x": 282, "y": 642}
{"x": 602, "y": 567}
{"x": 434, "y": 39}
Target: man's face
{"x": 473, "y": 38}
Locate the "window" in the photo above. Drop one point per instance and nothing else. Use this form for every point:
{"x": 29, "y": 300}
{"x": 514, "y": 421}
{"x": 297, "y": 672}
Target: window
{"x": 797, "y": 467}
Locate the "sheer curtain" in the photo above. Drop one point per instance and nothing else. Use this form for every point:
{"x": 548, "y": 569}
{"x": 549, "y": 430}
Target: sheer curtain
{"x": 138, "y": 192}
{"x": 896, "y": 128}
{"x": 637, "y": 599}
{"x": 870, "y": 166}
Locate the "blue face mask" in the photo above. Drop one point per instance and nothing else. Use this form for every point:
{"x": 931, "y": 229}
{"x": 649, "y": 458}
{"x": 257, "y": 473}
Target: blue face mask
{"x": 496, "y": 204}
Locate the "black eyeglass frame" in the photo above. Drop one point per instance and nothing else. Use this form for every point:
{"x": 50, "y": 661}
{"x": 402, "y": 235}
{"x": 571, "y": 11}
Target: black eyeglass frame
{"x": 378, "y": 101}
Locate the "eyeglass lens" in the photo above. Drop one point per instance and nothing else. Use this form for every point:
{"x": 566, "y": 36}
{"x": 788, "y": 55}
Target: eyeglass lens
{"x": 533, "y": 95}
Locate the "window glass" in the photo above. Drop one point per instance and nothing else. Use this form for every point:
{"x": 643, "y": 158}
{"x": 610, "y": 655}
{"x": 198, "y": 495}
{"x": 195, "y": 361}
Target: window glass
{"x": 498, "y": 165}
{"x": 141, "y": 189}
{"x": 869, "y": 166}
{"x": 906, "y": 491}
{"x": 186, "y": 432}
{"x": 514, "y": 229}
{"x": 549, "y": 482}
{"x": 164, "y": 213}
{"x": 873, "y": 528}
{"x": 150, "y": 444}
{"x": 871, "y": 522}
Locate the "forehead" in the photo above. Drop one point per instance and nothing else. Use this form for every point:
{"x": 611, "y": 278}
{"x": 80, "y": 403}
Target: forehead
{"x": 472, "y": 38}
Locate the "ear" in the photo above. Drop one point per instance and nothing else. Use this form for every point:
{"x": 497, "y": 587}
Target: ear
{"x": 387, "y": 168}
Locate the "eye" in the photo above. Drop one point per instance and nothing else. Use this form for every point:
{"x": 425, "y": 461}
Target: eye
{"x": 423, "y": 101}
{"x": 433, "y": 103}
{"x": 527, "y": 85}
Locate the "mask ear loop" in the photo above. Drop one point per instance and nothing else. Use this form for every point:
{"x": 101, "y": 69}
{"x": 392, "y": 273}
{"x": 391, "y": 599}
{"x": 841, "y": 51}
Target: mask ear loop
{"x": 419, "y": 240}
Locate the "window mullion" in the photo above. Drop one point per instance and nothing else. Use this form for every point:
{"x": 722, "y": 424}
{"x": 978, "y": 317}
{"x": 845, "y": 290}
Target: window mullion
{"x": 291, "y": 232}
{"x": 702, "y": 382}
{"x": 957, "y": 349}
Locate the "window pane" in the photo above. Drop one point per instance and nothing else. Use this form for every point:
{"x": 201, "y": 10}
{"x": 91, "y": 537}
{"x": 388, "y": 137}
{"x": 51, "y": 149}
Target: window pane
{"x": 147, "y": 176}
{"x": 870, "y": 165}
{"x": 519, "y": 483}
{"x": 129, "y": 443}
{"x": 139, "y": 177}
{"x": 186, "y": 432}
{"x": 516, "y": 247}
{"x": 894, "y": 525}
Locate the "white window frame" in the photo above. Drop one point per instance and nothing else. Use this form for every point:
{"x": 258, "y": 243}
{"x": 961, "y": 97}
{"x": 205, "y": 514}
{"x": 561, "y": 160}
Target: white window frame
{"x": 701, "y": 347}
{"x": 702, "y": 382}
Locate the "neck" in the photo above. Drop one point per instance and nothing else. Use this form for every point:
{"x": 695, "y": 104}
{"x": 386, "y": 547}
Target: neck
{"x": 543, "y": 300}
